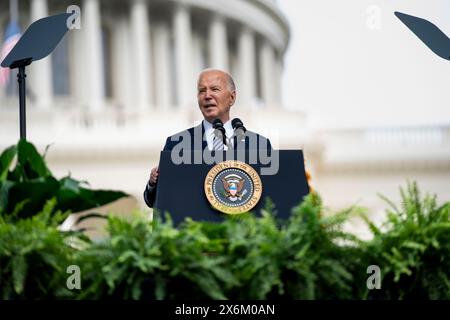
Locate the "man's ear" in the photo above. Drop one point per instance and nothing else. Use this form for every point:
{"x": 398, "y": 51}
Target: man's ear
{"x": 233, "y": 97}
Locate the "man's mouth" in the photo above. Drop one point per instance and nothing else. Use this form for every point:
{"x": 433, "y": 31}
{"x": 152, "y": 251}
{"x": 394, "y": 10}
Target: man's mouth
{"x": 209, "y": 105}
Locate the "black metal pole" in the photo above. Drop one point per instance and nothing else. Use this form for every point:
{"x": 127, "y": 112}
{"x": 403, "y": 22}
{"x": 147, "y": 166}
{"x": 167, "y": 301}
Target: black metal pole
{"x": 22, "y": 114}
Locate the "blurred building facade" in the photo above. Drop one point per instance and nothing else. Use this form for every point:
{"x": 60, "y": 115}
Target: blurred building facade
{"x": 112, "y": 91}
{"x": 115, "y": 89}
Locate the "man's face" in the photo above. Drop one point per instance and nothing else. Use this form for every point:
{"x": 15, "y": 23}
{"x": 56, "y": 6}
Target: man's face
{"x": 214, "y": 96}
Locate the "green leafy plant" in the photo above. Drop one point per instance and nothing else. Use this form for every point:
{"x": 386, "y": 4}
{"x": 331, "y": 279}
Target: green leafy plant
{"x": 300, "y": 258}
{"x": 321, "y": 259}
{"x": 412, "y": 249}
{"x": 34, "y": 256}
{"x": 26, "y": 184}
{"x": 308, "y": 256}
{"x": 244, "y": 258}
{"x": 153, "y": 260}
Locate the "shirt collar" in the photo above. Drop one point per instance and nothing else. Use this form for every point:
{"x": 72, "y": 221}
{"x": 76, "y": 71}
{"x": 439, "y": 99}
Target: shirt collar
{"x": 227, "y": 125}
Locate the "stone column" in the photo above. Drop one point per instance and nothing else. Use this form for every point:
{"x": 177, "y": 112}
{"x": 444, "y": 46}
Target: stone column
{"x": 93, "y": 62}
{"x": 122, "y": 72}
{"x": 197, "y": 52}
{"x": 162, "y": 66}
{"x": 247, "y": 67}
{"x": 185, "y": 81}
{"x": 41, "y": 72}
{"x": 78, "y": 73}
{"x": 218, "y": 43}
{"x": 278, "y": 79}
{"x": 140, "y": 34}
{"x": 267, "y": 71}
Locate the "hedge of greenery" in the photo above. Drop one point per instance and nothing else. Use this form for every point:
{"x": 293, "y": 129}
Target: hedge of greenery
{"x": 308, "y": 256}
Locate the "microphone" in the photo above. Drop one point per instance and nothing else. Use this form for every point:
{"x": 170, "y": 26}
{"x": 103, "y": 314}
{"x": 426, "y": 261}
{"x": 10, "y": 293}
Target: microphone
{"x": 219, "y": 130}
{"x": 239, "y": 129}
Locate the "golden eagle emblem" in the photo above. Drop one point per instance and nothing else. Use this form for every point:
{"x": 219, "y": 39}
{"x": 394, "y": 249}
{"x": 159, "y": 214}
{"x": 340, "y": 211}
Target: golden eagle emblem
{"x": 233, "y": 185}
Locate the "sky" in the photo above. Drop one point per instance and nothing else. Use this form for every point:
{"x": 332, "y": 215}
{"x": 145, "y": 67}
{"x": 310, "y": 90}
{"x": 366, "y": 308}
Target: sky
{"x": 352, "y": 63}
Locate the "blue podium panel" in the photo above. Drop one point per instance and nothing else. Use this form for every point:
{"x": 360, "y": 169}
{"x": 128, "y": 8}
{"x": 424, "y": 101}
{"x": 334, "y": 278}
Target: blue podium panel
{"x": 180, "y": 189}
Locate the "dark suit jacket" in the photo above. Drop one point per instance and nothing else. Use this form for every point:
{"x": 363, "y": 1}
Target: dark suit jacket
{"x": 193, "y": 139}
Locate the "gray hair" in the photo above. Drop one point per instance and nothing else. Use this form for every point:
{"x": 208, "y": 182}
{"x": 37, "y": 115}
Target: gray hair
{"x": 230, "y": 81}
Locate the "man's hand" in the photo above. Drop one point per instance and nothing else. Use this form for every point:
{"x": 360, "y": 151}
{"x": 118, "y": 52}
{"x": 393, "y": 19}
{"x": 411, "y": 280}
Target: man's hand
{"x": 154, "y": 176}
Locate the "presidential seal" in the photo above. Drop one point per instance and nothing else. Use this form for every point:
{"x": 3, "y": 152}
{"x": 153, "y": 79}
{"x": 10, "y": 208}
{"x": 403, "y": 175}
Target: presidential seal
{"x": 233, "y": 187}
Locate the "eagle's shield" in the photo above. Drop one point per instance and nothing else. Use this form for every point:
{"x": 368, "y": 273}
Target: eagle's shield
{"x": 233, "y": 189}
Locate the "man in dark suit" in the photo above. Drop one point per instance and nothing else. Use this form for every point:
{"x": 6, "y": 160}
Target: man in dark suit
{"x": 216, "y": 95}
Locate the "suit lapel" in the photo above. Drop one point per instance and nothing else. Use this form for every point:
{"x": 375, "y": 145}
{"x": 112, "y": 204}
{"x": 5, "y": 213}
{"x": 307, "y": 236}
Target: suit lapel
{"x": 197, "y": 137}
{"x": 204, "y": 143}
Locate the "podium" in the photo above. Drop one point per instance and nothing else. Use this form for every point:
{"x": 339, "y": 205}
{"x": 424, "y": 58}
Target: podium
{"x": 181, "y": 187}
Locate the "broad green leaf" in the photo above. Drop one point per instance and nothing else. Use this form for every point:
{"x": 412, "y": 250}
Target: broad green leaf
{"x": 5, "y": 186}
{"x": 6, "y": 159}
{"x": 84, "y": 199}
{"x": 36, "y": 191}
{"x": 32, "y": 163}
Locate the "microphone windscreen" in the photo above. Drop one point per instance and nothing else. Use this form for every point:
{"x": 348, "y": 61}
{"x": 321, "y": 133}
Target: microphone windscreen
{"x": 236, "y": 122}
{"x": 217, "y": 123}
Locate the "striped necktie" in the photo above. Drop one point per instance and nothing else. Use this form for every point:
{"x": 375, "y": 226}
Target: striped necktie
{"x": 217, "y": 143}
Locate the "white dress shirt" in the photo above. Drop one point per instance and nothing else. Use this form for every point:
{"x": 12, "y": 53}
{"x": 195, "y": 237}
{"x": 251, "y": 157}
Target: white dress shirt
{"x": 209, "y": 133}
